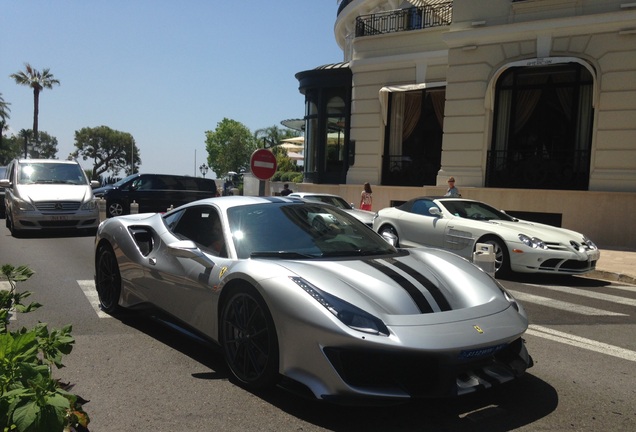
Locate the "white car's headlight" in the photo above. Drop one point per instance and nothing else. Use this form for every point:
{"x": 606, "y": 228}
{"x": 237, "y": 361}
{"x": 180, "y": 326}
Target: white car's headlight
{"x": 532, "y": 242}
{"x": 22, "y": 205}
{"x": 349, "y": 314}
{"x": 589, "y": 243}
{"x": 90, "y": 205}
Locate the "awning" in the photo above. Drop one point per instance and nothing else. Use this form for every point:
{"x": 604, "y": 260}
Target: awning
{"x": 384, "y": 93}
{"x": 295, "y": 140}
{"x": 296, "y": 124}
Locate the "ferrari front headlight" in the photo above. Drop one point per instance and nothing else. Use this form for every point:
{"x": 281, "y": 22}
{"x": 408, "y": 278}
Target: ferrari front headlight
{"x": 532, "y": 242}
{"x": 349, "y": 314}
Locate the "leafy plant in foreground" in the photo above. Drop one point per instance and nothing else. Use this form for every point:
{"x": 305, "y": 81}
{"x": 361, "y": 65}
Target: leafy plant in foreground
{"x": 31, "y": 400}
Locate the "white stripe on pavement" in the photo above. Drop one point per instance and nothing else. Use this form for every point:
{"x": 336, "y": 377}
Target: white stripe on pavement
{"x": 589, "y": 294}
{"x": 579, "y": 342}
{"x": 561, "y": 305}
{"x": 88, "y": 286}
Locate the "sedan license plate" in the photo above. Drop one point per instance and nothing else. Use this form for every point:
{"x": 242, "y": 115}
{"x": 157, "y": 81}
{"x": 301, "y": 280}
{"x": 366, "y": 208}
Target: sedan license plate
{"x": 58, "y": 218}
{"x": 480, "y": 352}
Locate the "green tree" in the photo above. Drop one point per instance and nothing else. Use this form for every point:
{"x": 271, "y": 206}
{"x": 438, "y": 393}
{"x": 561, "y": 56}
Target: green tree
{"x": 229, "y": 147}
{"x": 4, "y": 116}
{"x": 11, "y": 148}
{"x": 38, "y": 81}
{"x": 44, "y": 148}
{"x": 273, "y": 135}
{"x": 109, "y": 149}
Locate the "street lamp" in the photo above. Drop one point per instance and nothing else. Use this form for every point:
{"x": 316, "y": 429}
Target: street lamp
{"x": 204, "y": 169}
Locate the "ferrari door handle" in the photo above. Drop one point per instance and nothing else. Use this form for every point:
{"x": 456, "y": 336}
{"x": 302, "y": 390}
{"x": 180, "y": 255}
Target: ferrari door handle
{"x": 152, "y": 261}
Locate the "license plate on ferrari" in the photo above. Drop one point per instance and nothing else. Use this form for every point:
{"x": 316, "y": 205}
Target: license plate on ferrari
{"x": 480, "y": 352}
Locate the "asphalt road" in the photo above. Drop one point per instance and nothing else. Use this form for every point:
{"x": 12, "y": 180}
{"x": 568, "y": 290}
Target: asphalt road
{"x": 141, "y": 375}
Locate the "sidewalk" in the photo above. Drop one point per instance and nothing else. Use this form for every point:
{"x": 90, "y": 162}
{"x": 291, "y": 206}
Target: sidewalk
{"x": 616, "y": 265}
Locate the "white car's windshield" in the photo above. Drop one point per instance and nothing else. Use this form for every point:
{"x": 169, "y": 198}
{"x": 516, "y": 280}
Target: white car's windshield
{"x": 475, "y": 210}
{"x": 301, "y": 230}
{"x": 51, "y": 173}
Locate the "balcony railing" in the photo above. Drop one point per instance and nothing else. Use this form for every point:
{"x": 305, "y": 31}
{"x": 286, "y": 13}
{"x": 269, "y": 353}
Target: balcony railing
{"x": 414, "y": 18}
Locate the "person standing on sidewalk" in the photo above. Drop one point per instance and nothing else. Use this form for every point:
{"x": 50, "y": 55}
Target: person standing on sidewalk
{"x": 366, "y": 198}
{"x": 452, "y": 190}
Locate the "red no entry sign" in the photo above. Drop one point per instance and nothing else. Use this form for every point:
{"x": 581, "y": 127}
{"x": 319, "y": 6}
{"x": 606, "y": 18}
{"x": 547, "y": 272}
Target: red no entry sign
{"x": 263, "y": 164}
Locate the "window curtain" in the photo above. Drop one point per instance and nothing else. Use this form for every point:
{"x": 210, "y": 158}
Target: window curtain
{"x": 397, "y": 121}
{"x": 412, "y": 112}
{"x": 438, "y": 99}
{"x": 503, "y": 119}
{"x": 527, "y": 101}
{"x": 584, "y": 118}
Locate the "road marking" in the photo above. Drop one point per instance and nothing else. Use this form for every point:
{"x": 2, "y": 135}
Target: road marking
{"x": 589, "y": 294}
{"x": 561, "y": 305}
{"x": 6, "y": 286}
{"x": 88, "y": 286}
{"x": 588, "y": 344}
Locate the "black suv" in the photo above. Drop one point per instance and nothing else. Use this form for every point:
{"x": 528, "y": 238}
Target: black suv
{"x": 154, "y": 192}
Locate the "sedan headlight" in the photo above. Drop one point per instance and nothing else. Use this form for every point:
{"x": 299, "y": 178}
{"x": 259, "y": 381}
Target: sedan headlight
{"x": 349, "y": 314}
{"x": 532, "y": 242}
{"x": 89, "y": 205}
{"x": 23, "y": 205}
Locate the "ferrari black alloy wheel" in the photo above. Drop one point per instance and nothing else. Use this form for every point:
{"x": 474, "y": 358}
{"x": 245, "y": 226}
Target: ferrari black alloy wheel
{"x": 248, "y": 339}
{"x": 107, "y": 279}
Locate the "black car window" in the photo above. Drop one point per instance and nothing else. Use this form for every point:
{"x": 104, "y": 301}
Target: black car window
{"x": 202, "y": 225}
{"x": 422, "y": 207}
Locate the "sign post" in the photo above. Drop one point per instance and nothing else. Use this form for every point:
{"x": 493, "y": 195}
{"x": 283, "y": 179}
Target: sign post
{"x": 263, "y": 166}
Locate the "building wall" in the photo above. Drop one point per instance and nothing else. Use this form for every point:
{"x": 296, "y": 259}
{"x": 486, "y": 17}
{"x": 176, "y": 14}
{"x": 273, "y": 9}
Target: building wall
{"x": 606, "y": 42}
{"x": 487, "y": 37}
{"x": 595, "y": 214}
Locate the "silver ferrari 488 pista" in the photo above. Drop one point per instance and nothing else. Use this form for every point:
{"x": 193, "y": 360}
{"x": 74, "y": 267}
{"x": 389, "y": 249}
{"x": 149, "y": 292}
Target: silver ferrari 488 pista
{"x": 304, "y": 293}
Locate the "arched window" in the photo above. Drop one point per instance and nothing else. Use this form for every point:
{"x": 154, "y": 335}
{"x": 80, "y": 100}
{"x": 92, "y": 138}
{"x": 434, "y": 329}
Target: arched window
{"x": 542, "y": 129}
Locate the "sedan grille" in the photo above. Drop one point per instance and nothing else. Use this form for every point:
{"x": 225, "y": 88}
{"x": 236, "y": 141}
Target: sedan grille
{"x": 57, "y": 206}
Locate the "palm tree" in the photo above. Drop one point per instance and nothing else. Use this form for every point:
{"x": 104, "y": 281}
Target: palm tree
{"x": 38, "y": 81}
{"x": 4, "y": 116}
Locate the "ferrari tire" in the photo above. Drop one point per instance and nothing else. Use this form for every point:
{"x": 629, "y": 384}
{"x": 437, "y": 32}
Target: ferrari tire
{"x": 107, "y": 280}
{"x": 115, "y": 208}
{"x": 390, "y": 230}
{"x": 502, "y": 257}
{"x": 248, "y": 339}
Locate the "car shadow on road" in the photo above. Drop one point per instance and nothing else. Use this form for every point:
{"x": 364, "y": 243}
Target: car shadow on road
{"x": 502, "y": 408}
{"x": 558, "y": 280}
{"x": 57, "y": 233}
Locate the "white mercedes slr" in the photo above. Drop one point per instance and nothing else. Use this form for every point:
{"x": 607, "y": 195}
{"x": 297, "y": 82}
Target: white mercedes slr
{"x": 458, "y": 225}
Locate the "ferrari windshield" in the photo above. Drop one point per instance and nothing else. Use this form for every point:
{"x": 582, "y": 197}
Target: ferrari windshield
{"x": 333, "y": 200}
{"x": 474, "y": 210}
{"x": 301, "y": 231}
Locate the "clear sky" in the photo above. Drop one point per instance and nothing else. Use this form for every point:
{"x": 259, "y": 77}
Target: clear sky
{"x": 164, "y": 71}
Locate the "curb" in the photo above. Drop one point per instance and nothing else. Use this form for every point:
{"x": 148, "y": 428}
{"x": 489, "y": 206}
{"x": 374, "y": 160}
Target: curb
{"x": 611, "y": 276}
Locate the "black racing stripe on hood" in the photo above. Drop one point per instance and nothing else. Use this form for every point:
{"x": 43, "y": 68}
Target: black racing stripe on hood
{"x": 416, "y": 294}
{"x": 428, "y": 284}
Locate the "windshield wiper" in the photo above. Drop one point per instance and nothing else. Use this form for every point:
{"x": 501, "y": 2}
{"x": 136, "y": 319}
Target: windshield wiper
{"x": 280, "y": 254}
{"x": 358, "y": 252}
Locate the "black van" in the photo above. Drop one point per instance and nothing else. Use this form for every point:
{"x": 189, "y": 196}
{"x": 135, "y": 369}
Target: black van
{"x": 154, "y": 192}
